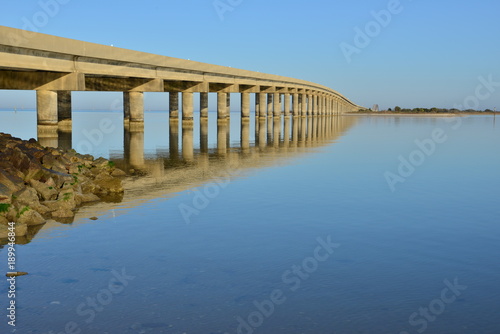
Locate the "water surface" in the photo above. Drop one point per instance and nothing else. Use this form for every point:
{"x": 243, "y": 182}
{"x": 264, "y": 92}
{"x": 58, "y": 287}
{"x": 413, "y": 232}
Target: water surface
{"x": 255, "y": 216}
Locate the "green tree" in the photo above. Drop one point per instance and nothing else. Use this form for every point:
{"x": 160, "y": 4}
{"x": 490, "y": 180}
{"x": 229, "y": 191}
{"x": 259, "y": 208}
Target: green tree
{"x": 398, "y": 109}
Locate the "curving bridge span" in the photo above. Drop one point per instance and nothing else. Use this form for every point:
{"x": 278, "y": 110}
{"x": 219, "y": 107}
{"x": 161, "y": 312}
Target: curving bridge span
{"x": 55, "y": 66}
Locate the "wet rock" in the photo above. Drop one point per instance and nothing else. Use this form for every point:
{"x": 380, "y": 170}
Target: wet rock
{"x": 60, "y": 204}
{"x": 87, "y": 198}
{"x": 38, "y": 181}
{"x": 45, "y": 192}
{"x": 9, "y": 183}
{"x": 26, "y": 196}
{"x": 21, "y": 229}
{"x": 118, "y": 173}
{"x": 102, "y": 163}
{"x": 3, "y": 220}
{"x": 30, "y": 217}
{"x": 16, "y": 274}
{"x": 62, "y": 213}
{"x": 107, "y": 184}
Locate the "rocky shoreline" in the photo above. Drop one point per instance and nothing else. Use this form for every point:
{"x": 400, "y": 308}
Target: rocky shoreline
{"x": 38, "y": 184}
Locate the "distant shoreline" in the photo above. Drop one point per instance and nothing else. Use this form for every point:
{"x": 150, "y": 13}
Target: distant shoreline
{"x": 417, "y": 114}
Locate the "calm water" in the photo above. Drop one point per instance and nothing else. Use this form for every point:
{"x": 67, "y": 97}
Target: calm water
{"x": 233, "y": 241}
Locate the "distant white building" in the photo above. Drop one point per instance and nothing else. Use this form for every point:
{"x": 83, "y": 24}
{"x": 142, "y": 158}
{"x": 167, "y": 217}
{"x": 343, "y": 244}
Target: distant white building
{"x": 375, "y": 107}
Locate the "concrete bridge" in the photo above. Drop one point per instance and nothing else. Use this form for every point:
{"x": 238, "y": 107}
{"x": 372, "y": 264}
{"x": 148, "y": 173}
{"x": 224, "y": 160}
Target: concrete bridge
{"x": 55, "y": 66}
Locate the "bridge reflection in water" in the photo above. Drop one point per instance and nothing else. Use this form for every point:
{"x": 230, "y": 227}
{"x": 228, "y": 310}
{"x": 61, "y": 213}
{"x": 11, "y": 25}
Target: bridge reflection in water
{"x": 185, "y": 165}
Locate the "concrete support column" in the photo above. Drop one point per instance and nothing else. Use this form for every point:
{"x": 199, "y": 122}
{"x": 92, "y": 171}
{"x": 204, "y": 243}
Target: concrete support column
{"x": 46, "y": 107}
{"x": 277, "y": 105}
{"x": 263, "y": 105}
{"x": 295, "y": 106}
{"x": 316, "y": 105}
{"x": 270, "y": 104}
{"x": 221, "y": 105}
{"x": 126, "y": 107}
{"x": 136, "y": 105}
{"x": 287, "y": 104}
{"x": 257, "y": 105}
{"x": 303, "y": 106}
{"x": 245, "y": 106}
{"x": 228, "y": 105}
{"x": 187, "y": 106}
{"x": 203, "y": 105}
{"x": 310, "y": 108}
{"x": 173, "y": 105}
{"x": 64, "y": 106}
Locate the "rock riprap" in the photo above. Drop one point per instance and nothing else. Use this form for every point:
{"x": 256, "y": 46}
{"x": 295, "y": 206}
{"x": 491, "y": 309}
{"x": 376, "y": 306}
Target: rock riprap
{"x": 40, "y": 183}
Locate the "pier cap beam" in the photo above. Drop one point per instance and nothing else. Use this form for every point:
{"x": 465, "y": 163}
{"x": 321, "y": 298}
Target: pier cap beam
{"x": 38, "y": 80}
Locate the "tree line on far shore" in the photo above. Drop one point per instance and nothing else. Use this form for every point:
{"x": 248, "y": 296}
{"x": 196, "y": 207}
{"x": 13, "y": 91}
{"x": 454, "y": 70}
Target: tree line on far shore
{"x": 398, "y": 109}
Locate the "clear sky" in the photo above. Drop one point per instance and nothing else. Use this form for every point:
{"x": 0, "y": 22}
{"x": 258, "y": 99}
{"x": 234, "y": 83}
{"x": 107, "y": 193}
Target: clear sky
{"x": 423, "y": 54}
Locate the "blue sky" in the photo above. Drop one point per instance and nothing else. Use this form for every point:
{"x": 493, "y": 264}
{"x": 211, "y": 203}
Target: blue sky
{"x": 428, "y": 53}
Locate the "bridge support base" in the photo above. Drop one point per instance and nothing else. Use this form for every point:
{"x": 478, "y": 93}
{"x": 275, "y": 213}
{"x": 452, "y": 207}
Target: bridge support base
{"x": 46, "y": 107}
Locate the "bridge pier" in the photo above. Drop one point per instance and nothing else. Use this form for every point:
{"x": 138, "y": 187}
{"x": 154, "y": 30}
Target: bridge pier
{"x": 187, "y": 107}
{"x": 295, "y": 105}
{"x": 270, "y": 104}
{"x": 257, "y": 105}
{"x": 276, "y": 105}
{"x": 287, "y": 104}
{"x": 310, "y": 105}
{"x": 46, "y": 107}
{"x": 263, "y": 105}
{"x": 320, "y": 103}
{"x": 133, "y": 105}
{"x": 64, "y": 109}
{"x": 245, "y": 106}
{"x": 221, "y": 105}
{"x": 204, "y": 105}
{"x": 303, "y": 105}
{"x": 314, "y": 110}
{"x": 173, "y": 100}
